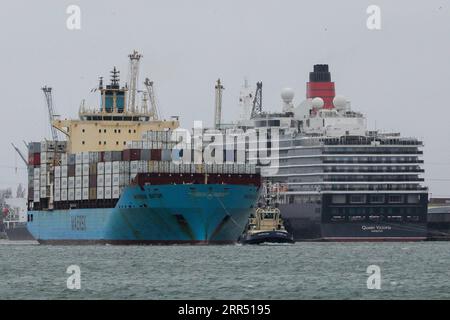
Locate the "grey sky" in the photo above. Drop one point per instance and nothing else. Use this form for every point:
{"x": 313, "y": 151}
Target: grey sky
{"x": 398, "y": 76}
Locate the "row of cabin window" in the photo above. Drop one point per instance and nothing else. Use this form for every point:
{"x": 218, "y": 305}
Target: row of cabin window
{"x": 115, "y": 130}
{"x": 104, "y": 142}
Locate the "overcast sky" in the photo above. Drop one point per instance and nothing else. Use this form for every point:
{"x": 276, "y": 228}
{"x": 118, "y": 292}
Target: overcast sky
{"x": 398, "y": 76}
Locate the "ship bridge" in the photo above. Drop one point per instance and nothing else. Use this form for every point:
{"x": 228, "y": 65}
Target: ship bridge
{"x": 118, "y": 119}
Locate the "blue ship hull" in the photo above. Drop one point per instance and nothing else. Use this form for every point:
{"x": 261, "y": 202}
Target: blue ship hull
{"x": 153, "y": 214}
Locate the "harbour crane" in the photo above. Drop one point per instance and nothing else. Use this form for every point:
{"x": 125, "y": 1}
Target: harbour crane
{"x": 51, "y": 110}
{"x": 257, "y": 101}
{"x": 151, "y": 95}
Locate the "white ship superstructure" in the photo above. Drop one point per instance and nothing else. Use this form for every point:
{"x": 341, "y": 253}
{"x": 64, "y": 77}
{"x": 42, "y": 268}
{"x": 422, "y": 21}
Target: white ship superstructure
{"x": 338, "y": 180}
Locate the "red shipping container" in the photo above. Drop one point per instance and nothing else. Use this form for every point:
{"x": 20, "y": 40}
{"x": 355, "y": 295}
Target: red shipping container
{"x": 155, "y": 155}
{"x": 135, "y": 154}
{"x": 126, "y": 155}
{"x": 34, "y": 159}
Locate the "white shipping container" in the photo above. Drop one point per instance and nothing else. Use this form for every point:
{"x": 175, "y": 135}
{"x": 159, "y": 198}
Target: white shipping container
{"x": 108, "y": 167}
{"x": 43, "y": 157}
{"x": 115, "y": 192}
{"x": 57, "y": 195}
{"x": 100, "y": 180}
{"x": 36, "y": 196}
{"x": 58, "y": 171}
{"x": 37, "y": 173}
{"x": 71, "y": 183}
{"x": 78, "y": 158}
{"x": 44, "y": 192}
{"x": 108, "y": 180}
{"x": 85, "y": 181}
{"x": 115, "y": 179}
{"x": 63, "y": 194}
{"x": 108, "y": 193}
{"x": 36, "y": 184}
{"x": 64, "y": 171}
{"x": 43, "y": 181}
{"x": 134, "y": 166}
{"x": 100, "y": 193}
{"x": 78, "y": 169}
{"x": 78, "y": 194}
{"x": 85, "y": 169}
{"x": 57, "y": 183}
{"x": 71, "y": 194}
{"x": 64, "y": 162}
{"x": 186, "y": 168}
{"x": 78, "y": 182}
{"x": 43, "y": 169}
{"x": 85, "y": 157}
{"x": 122, "y": 180}
{"x": 85, "y": 195}
{"x": 116, "y": 167}
{"x": 64, "y": 183}
{"x": 142, "y": 166}
{"x": 100, "y": 168}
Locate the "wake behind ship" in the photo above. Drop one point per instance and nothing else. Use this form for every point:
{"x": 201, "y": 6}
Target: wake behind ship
{"x": 115, "y": 179}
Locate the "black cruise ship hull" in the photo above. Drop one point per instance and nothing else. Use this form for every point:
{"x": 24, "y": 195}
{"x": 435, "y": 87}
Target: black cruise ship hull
{"x": 305, "y": 223}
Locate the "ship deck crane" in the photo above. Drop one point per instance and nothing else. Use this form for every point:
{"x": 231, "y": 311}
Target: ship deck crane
{"x": 20, "y": 154}
{"x": 151, "y": 95}
{"x": 51, "y": 111}
{"x": 257, "y": 101}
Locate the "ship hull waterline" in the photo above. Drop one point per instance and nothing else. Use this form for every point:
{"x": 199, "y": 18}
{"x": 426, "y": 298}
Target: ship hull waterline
{"x": 153, "y": 214}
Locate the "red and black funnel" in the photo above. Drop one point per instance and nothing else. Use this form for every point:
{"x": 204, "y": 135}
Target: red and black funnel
{"x": 320, "y": 85}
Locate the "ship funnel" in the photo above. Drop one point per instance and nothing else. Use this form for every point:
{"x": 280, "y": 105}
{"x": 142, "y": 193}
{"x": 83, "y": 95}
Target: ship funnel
{"x": 320, "y": 85}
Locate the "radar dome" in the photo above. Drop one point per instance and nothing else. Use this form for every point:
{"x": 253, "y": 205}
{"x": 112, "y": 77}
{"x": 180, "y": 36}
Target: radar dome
{"x": 317, "y": 102}
{"x": 339, "y": 102}
{"x": 287, "y": 94}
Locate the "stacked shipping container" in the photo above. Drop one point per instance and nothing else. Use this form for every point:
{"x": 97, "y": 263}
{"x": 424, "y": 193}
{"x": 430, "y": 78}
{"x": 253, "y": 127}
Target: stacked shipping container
{"x": 59, "y": 177}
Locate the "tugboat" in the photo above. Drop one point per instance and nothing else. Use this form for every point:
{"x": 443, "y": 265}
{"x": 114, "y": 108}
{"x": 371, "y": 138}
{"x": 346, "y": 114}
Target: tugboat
{"x": 266, "y": 225}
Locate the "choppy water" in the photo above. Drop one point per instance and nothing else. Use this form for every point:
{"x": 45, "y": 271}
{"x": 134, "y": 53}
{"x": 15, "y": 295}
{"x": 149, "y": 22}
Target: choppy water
{"x": 300, "y": 271}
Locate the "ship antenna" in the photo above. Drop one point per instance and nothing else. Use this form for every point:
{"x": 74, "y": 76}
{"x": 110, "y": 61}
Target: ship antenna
{"x": 115, "y": 77}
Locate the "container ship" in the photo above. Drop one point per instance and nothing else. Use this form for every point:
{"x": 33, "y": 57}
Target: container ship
{"x": 337, "y": 180}
{"x": 113, "y": 180}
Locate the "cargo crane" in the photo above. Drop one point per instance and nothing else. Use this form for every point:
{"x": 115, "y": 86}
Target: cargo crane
{"x": 218, "y": 105}
{"x": 135, "y": 58}
{"x": 20, "y": 154}
{"x": 51, "y": 111}
{"x": 257, "y": 101}
{"x": 151, "y": 95}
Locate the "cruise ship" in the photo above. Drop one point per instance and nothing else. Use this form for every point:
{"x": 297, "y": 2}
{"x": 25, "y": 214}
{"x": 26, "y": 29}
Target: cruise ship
{"x": 336, "y": 180}
{"x": 113, "y": 179}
